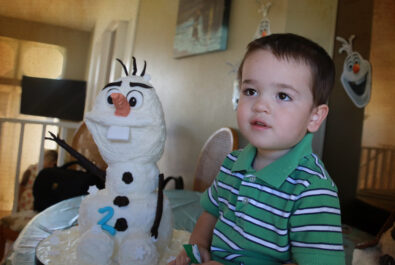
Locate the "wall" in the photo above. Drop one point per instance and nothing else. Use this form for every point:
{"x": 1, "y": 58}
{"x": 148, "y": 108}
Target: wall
{"x": 196, "y": 91}
{"x": 117, "y": 19}
{"x": 109, "y": 11}
{"x": 76, "y": 42}
{"x": 344, "y": 123}
{"x": 378, "y": 126}
{"x": 314, "y": 19}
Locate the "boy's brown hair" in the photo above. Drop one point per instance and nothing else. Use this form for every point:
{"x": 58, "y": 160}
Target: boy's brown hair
{"x": 288, "y": 46}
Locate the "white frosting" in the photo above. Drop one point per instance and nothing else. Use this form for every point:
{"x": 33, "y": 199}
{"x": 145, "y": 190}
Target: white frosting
{"x": 129, "y": 130}
{"x": 64, "y": 252}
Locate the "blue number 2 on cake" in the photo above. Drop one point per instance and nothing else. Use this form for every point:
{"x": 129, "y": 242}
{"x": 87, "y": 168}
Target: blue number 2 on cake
{"x": 103, "y": 222}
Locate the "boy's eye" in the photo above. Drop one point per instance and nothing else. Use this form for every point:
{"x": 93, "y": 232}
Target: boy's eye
{"x": 249, "y": 92}
{"x": 283, "y": 96}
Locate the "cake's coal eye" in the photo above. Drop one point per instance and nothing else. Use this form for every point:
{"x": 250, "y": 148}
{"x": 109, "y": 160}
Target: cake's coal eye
{"x": 349, "y": 66}
{"x": 132, "y": 102}
{"x": 135, "y": 99}
{"x": 109, "y": 93}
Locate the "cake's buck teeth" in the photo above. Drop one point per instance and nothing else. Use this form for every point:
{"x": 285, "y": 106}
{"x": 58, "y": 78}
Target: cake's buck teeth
{"x": 119, "y": 133}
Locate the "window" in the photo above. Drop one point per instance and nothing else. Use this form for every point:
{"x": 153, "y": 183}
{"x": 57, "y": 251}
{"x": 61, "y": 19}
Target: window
{"x": 17, "y": 58}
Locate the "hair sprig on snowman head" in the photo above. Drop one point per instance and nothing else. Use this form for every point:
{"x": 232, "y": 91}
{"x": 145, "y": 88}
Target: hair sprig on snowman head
{"x": 357, "y": 75}
{"x": 142, "y": 74}
{"x": 346, "y": 45}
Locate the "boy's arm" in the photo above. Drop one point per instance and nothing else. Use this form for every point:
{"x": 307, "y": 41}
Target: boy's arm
{"x": 315, "y": 226}
{"x": 203, "y": 232}
{"x": 204, "y": 229}
{"x": 201, "y": 235}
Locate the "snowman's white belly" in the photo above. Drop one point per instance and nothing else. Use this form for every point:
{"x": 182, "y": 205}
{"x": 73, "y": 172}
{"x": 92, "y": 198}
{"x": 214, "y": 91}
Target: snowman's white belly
{"x": 137, "y": 216}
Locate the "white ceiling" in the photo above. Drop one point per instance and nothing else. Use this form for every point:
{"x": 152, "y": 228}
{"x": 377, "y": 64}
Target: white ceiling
{"x": 75, "y": 14}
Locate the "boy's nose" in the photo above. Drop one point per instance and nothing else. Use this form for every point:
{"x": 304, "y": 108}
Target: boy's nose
{"x": 261, "y": 105}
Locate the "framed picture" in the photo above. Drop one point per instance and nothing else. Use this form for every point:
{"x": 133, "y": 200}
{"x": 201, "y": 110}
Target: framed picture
{"x": 202, "y": 26}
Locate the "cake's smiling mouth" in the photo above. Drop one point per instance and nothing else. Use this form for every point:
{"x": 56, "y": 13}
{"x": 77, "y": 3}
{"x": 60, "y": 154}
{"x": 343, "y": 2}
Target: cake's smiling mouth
{"x": 359, "y": 86}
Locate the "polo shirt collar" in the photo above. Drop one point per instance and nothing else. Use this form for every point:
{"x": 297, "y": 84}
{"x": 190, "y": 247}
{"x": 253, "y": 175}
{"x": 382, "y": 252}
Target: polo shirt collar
{"x": 275, "y": 173}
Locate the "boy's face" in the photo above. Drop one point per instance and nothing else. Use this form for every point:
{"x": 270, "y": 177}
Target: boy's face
{"x": 276, "y": 103}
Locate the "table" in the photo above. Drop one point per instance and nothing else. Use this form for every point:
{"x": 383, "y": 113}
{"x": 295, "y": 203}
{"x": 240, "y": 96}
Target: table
{"x": 185, "y": 206}
{"x": 184, "y": 203}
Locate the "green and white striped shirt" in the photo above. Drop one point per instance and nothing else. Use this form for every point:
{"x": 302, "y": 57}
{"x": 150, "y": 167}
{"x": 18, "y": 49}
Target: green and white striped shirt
{"x": 288, "y": 211}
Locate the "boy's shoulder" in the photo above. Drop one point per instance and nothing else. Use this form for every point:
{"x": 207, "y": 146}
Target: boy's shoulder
{"x": 232, "y": 157}
{"x": 312, "y": 170}
{"x": 235, "y": 153}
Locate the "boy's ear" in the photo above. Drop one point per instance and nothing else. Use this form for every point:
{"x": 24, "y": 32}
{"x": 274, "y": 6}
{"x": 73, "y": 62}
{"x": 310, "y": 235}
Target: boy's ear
{"x": 318, "y": 115}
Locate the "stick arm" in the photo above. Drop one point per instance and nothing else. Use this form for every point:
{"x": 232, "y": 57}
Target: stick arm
{"x": 86, "y": 163}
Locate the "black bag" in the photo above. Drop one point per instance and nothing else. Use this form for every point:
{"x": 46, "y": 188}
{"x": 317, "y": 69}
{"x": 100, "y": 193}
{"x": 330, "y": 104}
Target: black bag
{"x": 56, "y": 184}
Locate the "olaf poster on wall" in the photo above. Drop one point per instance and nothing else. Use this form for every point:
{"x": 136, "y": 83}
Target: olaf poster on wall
{"x": 264, "y": 25}
{"x": 356, "y": 77}
{"x": 262, "y": 30}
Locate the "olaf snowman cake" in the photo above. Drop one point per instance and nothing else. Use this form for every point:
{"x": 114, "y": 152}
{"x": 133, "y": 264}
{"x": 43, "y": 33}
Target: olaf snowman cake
{"x": 129, "y": 221}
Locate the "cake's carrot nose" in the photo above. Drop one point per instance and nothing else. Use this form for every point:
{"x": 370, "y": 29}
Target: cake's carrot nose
{"x": 121, "y": 104}
{"x": 355, "y": 68}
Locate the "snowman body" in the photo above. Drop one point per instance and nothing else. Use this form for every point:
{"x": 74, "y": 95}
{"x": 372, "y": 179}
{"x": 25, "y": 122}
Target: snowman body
{"x": 115, "y": 223}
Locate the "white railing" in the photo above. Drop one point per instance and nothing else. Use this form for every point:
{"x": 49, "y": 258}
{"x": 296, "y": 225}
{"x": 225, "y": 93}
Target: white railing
{"x": 377, "y": 169}
{"x": 62, "y": 128}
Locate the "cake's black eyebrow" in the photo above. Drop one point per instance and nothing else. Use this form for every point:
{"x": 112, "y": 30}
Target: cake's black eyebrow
{"x": 132, "y": 84}
{"x": 113, "y": 84}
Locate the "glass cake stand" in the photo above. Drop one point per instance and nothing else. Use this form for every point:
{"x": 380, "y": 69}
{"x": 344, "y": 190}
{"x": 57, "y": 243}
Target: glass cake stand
{"x": 185, "y": 206}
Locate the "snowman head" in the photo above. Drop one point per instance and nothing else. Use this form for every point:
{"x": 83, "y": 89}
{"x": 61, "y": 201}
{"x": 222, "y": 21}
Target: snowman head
{"x": 127, "y": 120}
{"x": 356, "y": 75}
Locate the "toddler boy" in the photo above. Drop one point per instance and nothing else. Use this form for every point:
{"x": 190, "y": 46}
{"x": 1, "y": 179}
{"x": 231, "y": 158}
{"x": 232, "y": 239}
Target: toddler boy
{"x": 273, "y": 202}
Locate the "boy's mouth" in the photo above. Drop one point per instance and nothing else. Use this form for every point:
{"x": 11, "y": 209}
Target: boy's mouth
{"x": 260, "y": 124}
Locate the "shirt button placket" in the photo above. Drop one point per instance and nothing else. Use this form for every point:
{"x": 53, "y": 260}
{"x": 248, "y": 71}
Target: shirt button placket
{"x": 242, "y": 203}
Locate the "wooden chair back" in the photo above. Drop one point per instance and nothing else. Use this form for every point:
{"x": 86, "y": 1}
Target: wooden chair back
{"x": 211, "y": 156}
{"x": 83, "y": 142}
